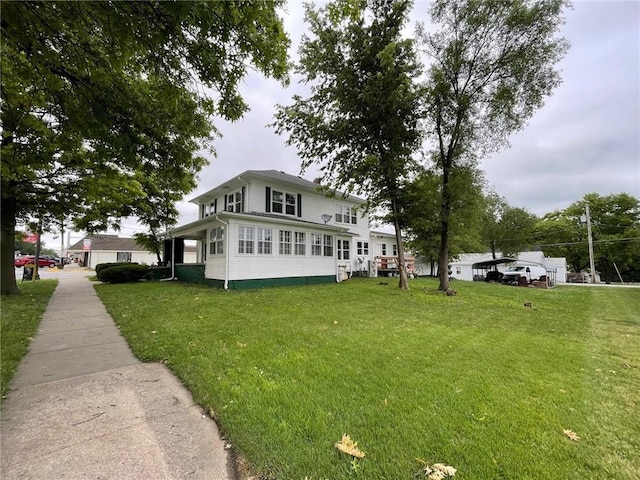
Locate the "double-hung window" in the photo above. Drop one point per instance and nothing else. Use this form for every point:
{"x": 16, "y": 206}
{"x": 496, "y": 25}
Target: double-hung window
{"x": 216, "y": 241}
{"x": 283, "y": 203}
{"x": 265, "y": 241}
{"x": 316, "y": 244}
{"x": 395, "y": 250}
{"x": 327, "y": 243}
{"x": 300, "y": 243}
{"x": 246, "y": 237}
{"x": 234, "y": 202}
{"x": 346, "y": 214}
{"x": 343, "y": 249}
{"x": 285, "y": 242}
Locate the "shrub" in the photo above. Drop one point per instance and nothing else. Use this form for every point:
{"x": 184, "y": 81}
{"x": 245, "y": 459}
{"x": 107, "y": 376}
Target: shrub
{"x": 102, "y": 266}
{"x": 123, "y": 273}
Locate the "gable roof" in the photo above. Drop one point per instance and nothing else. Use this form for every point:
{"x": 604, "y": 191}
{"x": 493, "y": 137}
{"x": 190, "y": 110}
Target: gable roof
{"x": 109, "y": 242}
{"x": 104, "y": 242}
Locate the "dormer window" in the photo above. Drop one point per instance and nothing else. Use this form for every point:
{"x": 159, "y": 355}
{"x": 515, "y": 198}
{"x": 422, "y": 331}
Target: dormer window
{"x": 346, "y": 214}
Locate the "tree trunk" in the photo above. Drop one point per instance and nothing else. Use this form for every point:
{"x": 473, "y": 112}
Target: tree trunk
{"x": 8, "y": 284}
{"x": 402, "y": 268}
{"x": 493, "y": 248}
{"x": 445, "y": 214}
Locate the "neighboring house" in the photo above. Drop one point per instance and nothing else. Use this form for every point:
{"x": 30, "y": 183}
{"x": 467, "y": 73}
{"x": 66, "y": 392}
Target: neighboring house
{"x": 462, "y": 267}
{"x": 95, "y": 249}
{"x": 265, "y": 227}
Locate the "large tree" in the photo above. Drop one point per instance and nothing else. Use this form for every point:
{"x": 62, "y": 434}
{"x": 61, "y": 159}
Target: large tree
{"x": 360, "y": 121}
{"x": 97, "y": 95}
{"x": 492, "y": 65}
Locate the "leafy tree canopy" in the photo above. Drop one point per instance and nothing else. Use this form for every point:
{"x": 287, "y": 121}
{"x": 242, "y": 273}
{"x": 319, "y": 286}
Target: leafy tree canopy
{"x": 360, "y": 122}
{"x": 492, "y": 66}
{"x": 106, "y": 104}
{"x": 615, "y": 221}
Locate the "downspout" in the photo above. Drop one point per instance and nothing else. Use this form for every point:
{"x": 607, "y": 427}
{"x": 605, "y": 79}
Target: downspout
{"x": 226, "y": 253}
{"x": 173, "y": 262}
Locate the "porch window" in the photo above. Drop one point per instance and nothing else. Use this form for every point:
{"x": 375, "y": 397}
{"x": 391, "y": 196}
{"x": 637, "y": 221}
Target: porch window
{"x": 328, "y": 245}
{"x": 265, "y": 241}
{"x": 300, "y": 243}
{"x": 343, "y": 249}
{"x": 216, "y": 241}
{"x": 316, "y": 244}
{"x": 246, "y": 237}
{"x": 363, "y": 248}
{"x": 384, "y": 249}
{"x": 285, "y": 242}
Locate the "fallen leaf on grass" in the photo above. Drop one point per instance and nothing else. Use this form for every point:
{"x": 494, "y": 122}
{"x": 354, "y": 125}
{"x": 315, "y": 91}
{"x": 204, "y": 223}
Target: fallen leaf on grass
{"x": 571, "y": 435}
{"x": 348, "y": 446}
{"x": 438, "y": 471}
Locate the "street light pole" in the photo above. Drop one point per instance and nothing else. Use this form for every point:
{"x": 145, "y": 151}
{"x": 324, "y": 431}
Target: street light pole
{"x": 592, "y": 265}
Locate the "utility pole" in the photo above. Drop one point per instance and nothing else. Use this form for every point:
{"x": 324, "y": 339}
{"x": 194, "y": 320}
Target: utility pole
{"x": 592, "y": 265}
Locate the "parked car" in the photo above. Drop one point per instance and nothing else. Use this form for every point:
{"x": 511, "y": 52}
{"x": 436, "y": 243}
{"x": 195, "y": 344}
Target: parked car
{"x": 530, "y": 272}
{"x": 26, "y": 259}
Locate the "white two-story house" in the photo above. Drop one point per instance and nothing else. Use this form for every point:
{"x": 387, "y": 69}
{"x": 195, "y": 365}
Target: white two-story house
{"x": 265, "y": 227}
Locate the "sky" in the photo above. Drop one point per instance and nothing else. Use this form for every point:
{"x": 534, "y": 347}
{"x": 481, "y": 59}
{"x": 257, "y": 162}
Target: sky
{"x": 586, "y": 138}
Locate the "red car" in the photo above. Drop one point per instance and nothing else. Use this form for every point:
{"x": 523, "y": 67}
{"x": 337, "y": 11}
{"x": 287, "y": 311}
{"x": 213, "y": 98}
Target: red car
{"x": 26, "y": 259}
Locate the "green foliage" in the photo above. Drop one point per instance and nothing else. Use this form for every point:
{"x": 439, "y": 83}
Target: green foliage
{"x": 102, "y": 266}
{"x": 421, "y": 211}
{"x": 615, "y": 220}
{"x": 106, "y": 106}
{"x": 493, "y": 65}
{"x": 476, "y": 381}
{"x": 505, "y": 228}
{"x": 360, "y": 122}
{"x": 122, "y": 273}
{"x": 21, "y": 315}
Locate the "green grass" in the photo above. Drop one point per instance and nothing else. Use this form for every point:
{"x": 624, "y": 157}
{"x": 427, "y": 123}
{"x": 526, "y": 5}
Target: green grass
{"x": 477, "y": 381}
{"x": 20, "y": 316}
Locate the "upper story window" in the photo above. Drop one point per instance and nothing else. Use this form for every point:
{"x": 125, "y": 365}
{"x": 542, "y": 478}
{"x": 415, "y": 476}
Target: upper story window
{"x": 346, "y": 214}
{"x": 233, "y": 201}
{"x": 284, "y": 203}
{"x": 210, "y": 208}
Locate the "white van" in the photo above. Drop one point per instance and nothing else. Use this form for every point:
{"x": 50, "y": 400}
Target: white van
{"x": 530, "y": 272}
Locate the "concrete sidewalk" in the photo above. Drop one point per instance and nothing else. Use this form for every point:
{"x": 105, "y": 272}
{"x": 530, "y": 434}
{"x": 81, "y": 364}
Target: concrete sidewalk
{"x": 82, "y": 406}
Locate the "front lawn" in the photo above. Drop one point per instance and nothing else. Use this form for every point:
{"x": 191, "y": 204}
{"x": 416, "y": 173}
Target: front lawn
{"x": 21, "y": 315}
{"x": 478, "y": 381}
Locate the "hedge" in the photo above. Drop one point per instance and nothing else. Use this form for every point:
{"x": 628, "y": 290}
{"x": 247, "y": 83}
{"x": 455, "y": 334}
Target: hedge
{"x": 102, "y": 266}
{"x": 130, "y": 272}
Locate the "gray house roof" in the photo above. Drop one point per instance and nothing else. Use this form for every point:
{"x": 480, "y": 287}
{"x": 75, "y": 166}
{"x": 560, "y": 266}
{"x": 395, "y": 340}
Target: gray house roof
{"x": 115, "y": 243}
{"x": 109, "y": 242}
